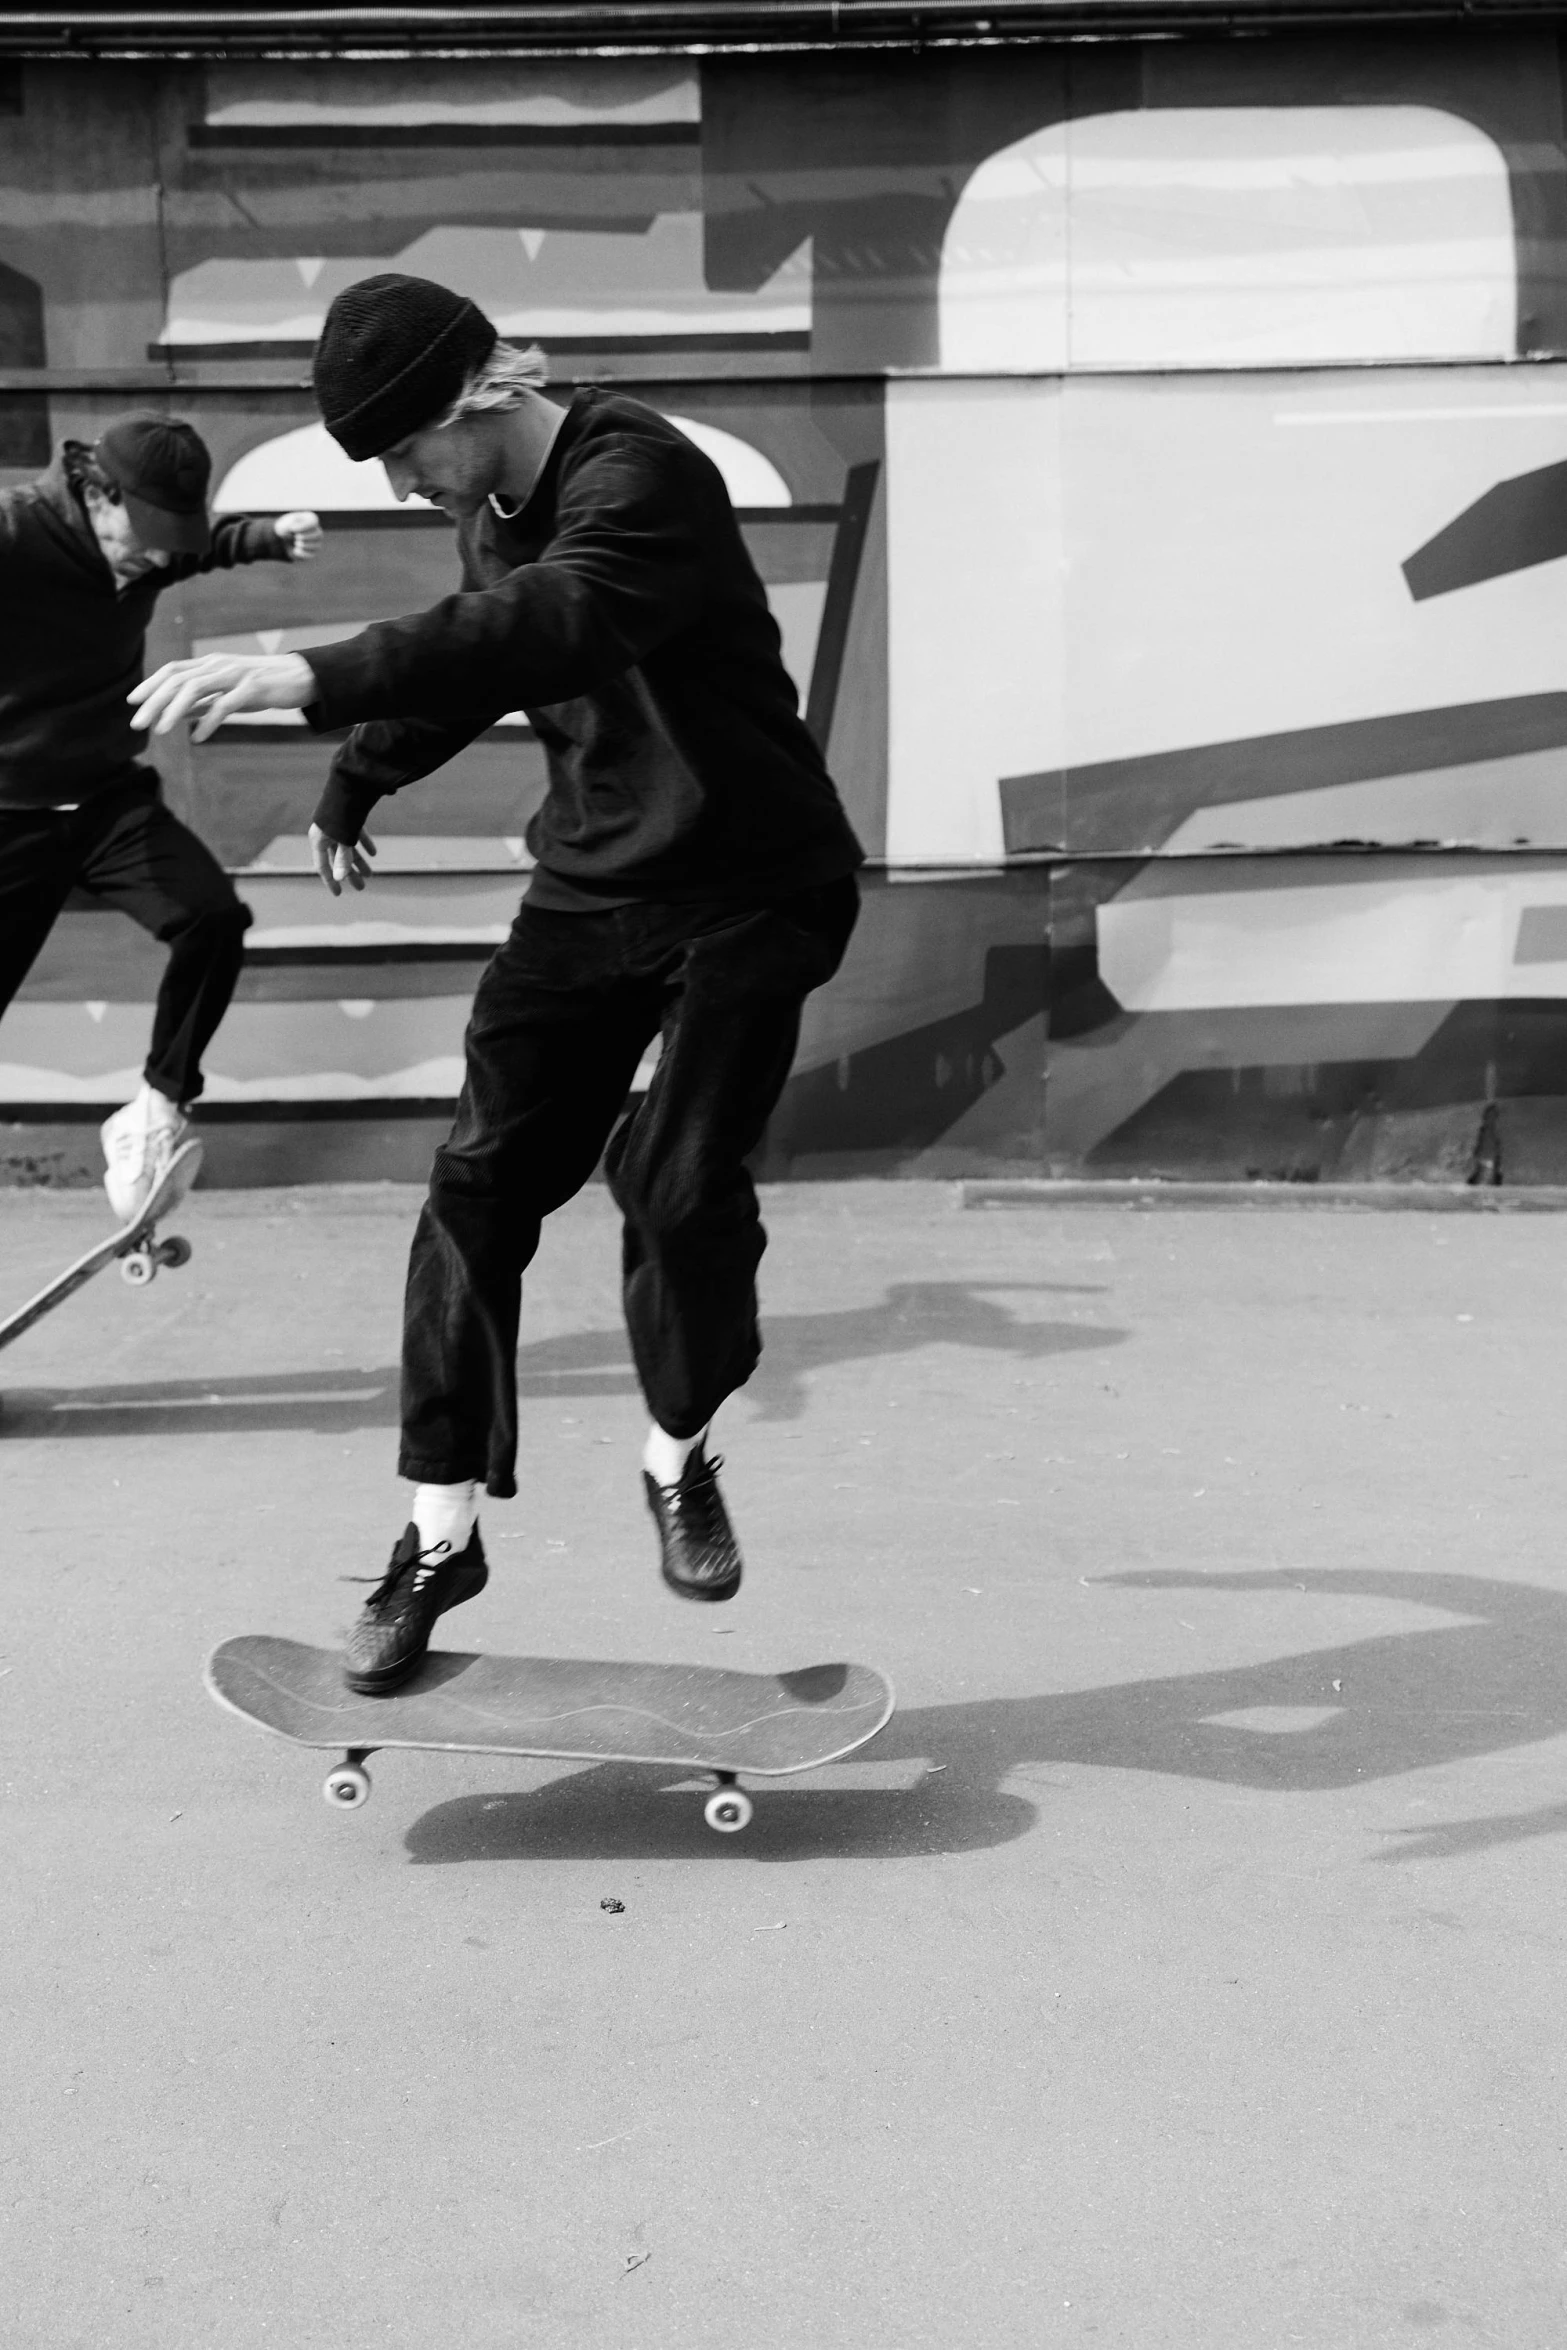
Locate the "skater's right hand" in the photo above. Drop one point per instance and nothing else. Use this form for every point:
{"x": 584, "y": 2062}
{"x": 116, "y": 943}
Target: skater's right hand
{"x": 336, "y": 862}
{"x": 216, "y": 686}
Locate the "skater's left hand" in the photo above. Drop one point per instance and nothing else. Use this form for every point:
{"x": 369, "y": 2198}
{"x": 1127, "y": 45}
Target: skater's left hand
{"x": 301, "y": 533}
{"x": 216, "y": 686}
{"x": 337, "y": 862}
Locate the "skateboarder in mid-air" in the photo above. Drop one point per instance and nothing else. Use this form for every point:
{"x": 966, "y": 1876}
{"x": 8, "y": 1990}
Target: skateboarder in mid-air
{"x": 694, "y": 881}
{"x": 84, "y": 553}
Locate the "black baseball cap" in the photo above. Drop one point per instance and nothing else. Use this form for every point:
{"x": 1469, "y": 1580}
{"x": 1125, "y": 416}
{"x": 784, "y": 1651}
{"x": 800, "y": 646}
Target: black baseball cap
{"x": 161, "y": 467}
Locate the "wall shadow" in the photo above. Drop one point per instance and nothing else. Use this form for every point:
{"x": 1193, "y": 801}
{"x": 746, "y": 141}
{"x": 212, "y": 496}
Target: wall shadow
{"x": 583, "y": 1363}
{"x": 1317, "y": 1721}
{"x": 1453, "y": 1839}
{"x": 909, "y": 1315}
{"x": 320, "y": 1403}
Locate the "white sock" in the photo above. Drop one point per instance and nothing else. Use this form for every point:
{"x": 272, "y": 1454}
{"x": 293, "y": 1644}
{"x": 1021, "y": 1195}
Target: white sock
{"x": 445, "y": 1513}
{"x": 664, "y": 1457}
{"x": 157, "y": 1108}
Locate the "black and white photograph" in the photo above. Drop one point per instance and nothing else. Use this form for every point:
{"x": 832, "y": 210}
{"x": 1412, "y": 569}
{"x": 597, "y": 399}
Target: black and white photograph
{"x": 783, "y": 890}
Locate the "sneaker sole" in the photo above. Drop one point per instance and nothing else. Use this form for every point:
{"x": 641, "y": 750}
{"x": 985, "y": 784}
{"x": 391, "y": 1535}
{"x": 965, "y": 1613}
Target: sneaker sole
{"x": 705, "y": 1591}
{"x": 381, "y": 1682}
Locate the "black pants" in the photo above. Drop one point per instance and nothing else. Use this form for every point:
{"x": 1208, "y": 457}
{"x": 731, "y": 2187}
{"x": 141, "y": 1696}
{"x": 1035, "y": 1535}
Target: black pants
{"x": 124, "y": 847}
{"x": 562, "y": 1017}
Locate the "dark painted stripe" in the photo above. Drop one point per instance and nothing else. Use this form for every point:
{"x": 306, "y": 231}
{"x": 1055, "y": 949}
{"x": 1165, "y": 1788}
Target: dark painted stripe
{"x": 353, "y": 518}
{"x": 843, "y": 574}
{"x": 338, "y": 518}
{"x": 791, "y": 339}
{"x": 1513, "y": 526}
{"x": 252, "y": 730}
{"x": 1133, "y": 805}
{"x": 348, "y": 958}
{"x": 574, "y": 136}
{"x": 351, "y": 1113}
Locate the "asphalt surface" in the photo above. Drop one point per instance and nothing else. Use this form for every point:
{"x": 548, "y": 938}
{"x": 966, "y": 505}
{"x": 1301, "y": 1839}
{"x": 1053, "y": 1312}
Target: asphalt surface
{"x": 1182, "y": 1967}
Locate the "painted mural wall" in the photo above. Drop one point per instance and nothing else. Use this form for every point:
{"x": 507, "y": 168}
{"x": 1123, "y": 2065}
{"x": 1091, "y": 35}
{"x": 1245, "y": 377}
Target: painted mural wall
{"x": 1157, "y": 460}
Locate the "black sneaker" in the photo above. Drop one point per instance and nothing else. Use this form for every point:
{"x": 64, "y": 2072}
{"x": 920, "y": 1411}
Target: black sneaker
{"x": 700, "y": 1556}
{"x": 386, "y": 1647}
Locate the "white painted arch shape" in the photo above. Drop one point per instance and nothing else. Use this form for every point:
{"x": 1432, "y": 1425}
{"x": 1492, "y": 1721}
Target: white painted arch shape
{"x": 1233, "y": 237}
{"x": 306, "y": 467}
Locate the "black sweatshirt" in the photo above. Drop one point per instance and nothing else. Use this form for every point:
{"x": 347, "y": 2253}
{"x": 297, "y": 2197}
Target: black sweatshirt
{"x": 621, "y": 610}
{"x": 72, "y": 643}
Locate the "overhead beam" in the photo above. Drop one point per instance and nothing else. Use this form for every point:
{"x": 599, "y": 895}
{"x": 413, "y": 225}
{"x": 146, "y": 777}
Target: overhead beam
{"x": 106, "y": 28}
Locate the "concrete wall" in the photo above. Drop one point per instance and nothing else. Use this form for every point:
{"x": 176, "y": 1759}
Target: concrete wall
{"x": 1156, "y": 459}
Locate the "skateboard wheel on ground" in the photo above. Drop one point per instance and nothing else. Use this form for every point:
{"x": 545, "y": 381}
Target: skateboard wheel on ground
{"x": 174, "y": 1251}
{"x": 347, "y": 1787}
{"x": 138, "y": 1268}
{"x": 728, "y": 1811}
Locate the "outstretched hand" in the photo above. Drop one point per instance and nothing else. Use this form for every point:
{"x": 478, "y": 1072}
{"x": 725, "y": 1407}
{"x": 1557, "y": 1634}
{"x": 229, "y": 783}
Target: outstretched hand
{"x": 216, "y": 686}
{"x": 336, "y": 861}
{"x": 301, "y": 533}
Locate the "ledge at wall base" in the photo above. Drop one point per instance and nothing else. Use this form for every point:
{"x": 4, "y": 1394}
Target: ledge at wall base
{"x": 1160, "y": 1192}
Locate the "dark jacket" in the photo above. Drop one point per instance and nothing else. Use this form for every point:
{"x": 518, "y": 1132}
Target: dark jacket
{"x": 621, "y": 610}
{"x": 72, "y": 643}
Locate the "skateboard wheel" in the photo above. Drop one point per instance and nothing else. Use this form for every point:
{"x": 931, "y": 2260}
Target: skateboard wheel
{"x": 728, "y": 1811}
{"x": 138, "y": 1268}
{"x": 347, "y": 1787}
{"x": 175, "y": 1250}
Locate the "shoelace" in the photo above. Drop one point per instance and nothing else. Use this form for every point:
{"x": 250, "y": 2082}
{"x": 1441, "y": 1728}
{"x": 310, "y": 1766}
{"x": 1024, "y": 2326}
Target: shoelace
{"x": 689, "y": 1488}
{"x": 438, "y": 1553}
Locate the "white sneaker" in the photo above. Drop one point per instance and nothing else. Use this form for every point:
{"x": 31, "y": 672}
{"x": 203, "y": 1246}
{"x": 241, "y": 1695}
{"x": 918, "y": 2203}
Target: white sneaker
{"x": 138, "y": 1143}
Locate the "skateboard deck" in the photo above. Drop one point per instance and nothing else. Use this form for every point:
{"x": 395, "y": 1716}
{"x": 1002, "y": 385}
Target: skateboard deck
{"x": 695, "y": 1717}
{"x": 135, "y": 1245}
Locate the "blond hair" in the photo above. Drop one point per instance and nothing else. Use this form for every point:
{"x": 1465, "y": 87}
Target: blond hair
{"x": 498, "y": 382}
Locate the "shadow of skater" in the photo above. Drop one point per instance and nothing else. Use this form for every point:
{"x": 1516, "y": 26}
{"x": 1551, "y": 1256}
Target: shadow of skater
{"x": 581, "y": 1363}
{"x": 1332, "y": 1717}
{"x": 1299, "y": 1724}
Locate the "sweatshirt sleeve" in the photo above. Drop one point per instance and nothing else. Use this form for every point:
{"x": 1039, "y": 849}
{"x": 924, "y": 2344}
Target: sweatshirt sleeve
{"x": 621, "y": 574}
{"x": 241, "y": 538}
{"x": 380, "y": 757}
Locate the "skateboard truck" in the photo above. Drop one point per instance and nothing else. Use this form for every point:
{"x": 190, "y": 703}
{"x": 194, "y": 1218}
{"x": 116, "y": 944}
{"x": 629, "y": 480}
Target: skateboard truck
{"x": 142, "y": 1262}
{"x": 727, "y": 1810}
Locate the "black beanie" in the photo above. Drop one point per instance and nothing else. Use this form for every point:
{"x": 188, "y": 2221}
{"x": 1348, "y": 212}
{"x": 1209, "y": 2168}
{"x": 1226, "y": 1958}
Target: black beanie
{"x": 394, "y": 352}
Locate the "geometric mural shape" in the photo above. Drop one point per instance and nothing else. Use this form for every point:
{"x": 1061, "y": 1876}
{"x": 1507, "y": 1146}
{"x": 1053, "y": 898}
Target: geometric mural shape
{"x": 1231, "y": 236}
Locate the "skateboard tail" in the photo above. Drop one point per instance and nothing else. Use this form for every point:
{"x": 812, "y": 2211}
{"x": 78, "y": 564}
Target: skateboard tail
{"x": 127, "y": 1242}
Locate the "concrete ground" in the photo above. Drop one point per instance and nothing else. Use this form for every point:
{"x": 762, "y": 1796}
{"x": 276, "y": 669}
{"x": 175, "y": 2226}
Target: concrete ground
{"x": 1184, "y": 1966}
